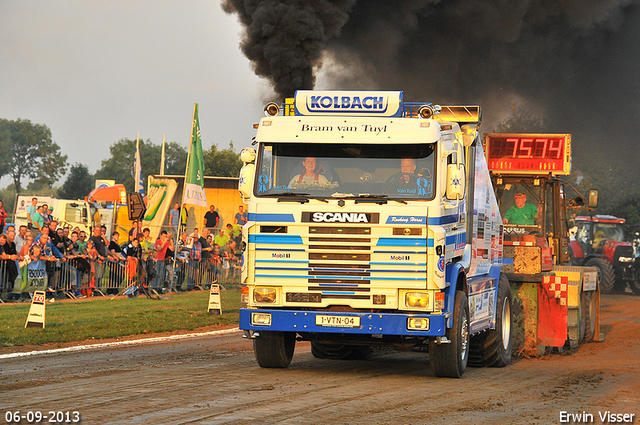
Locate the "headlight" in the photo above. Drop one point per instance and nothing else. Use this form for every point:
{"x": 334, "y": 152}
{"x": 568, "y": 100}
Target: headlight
{"x": 418, "y": 323}
{"x": 626, "y": 259}
{"x": 416, "y": 299}
{"x": 264, "y": 295}
{"x": 261, "y": 319}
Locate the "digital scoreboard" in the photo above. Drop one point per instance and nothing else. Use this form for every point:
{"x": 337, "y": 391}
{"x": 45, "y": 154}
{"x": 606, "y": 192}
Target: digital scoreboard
{"x": 528, "y": 153}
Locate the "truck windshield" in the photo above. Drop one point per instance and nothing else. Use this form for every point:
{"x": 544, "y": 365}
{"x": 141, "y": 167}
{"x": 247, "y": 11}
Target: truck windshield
{"x": 351, "y": 170}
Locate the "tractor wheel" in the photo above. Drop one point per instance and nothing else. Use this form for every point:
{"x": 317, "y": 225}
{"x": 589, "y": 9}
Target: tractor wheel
{"x": 635, "y": 286}
{"x": 606, "y": 275}
{"x": 274, "y": 349}
{"x": 588, "y": 311}
{"x": 493, "y": 347}
{"x": 450, "y": 359}
{"x": 339, "y": 351}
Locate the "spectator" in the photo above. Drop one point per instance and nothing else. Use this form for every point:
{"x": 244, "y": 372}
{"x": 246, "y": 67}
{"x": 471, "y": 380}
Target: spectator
{"x": 221, "y": 239}
{"x": 195, "y": 254}
{"x": 100, "y": 243}
{"x": 56, "y": 238}
{"x": 28, "y": 241}
{"x": 161, "y": 246}
{"x": 50, "y": 254}
{"x": 71, "y": 245}
{"x": 9, "y": 255}
{"x": 136, "y": 230}
{"x": 182, "y": 255}
{"x": 3, "y": 217}
{"x": 195, "y": 233}
{"x": 133, "y": 252}
{"x": 36, "y": 220}
{"x": 182, "y": 249}
{"x": 234, "y": 232}
{"x": 60, "y": 236}
{"x": 184, "y": 216}
{"x": 206, "y": 247}
{"x": 206, "y": 253}
{"x": 31, "y": 209}
{"x": 241, "y": 217}
{"x": 174, "y": 216}
{"x": 115, "y": 252}
{"x": 21, "y": 237}
{"x": 82, "y": 242}
{"x": 133, "y": 249}
{"x": 96, "y": 266}
{"x": 146, "y": 244}
{"x": 228, "y": 260}
{"x": 215, "y": 261}
{"x": 211, "y": 218}
{"x": 46, "y": 215}
{"x": 50, "y": 249}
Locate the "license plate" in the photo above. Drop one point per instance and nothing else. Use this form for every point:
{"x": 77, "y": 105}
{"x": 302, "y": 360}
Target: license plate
{"x": 338, "y": 321}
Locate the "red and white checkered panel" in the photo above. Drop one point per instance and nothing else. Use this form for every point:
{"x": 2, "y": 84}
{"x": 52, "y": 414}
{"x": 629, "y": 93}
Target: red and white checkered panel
{"x": 557, "y": 287}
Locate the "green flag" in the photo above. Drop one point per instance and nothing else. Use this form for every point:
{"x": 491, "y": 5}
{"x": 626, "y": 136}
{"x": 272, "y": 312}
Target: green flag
{"x": 194, "y": 182}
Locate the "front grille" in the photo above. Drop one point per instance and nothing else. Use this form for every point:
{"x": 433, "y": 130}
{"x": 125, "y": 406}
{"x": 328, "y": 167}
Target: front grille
{"x": 349, "y": 274}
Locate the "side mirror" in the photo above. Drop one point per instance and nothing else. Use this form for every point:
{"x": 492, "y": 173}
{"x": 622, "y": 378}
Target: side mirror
{"x": 469, "y": 134}
{"x": 248, "y": 155}
{"x": 245, "y": 181}
{"x": 455, "y": 181}
{"x": 593, "y": 198}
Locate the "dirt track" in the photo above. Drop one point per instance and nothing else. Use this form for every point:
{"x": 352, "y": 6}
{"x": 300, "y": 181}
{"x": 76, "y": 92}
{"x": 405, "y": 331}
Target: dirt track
{"x": 216, "y": 380}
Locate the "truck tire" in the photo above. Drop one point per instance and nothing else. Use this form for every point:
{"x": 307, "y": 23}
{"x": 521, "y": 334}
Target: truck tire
{"x": 450, "y": 360}
{"x": 339, "y": 351}
{"x": 274, "y": 349}
{"x": 606, "y": 275}
{"x": 588, "y": 313}
{"x": 493, "y": 347}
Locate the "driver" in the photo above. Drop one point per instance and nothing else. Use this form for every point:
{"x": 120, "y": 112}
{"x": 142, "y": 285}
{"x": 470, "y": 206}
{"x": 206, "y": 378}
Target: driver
{"x": 521, "y": 213}
{"x": 310, "y": 176}
{"x": 407, "y": 173}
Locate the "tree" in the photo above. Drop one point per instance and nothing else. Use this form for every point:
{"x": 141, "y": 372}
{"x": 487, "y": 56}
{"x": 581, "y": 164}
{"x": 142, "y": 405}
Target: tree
{"x": 30, "y": 152}
{"x": 120, "y": 166}
{"x": 521, "y": 121}
{"x": 223, "y": 163}
{"x": 78, "y": 184}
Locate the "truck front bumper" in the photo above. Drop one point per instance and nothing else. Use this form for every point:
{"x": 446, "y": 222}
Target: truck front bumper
{"x": 366, "y": 323}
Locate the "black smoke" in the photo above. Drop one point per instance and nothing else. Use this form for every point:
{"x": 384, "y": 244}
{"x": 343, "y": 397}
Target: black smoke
{"x": 575, "y": 63}
{"x": 285, "y": 39}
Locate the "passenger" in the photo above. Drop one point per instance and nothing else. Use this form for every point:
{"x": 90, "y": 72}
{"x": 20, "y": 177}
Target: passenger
{"x": 521, "y": 213}
{"x": 310, "y": 175}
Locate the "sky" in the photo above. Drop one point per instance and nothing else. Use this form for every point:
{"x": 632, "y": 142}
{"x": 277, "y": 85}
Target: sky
{"x": 95, "y": 72}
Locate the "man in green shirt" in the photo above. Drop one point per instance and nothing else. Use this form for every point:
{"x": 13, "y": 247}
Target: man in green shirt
{"x": 221, "y": 238}
{"x": 521, "y": 213}
{"x": 234, "y": 231}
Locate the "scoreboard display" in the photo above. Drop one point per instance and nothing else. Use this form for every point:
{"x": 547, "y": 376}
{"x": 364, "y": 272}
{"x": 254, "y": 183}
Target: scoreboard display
{"x": 528, "y": 153}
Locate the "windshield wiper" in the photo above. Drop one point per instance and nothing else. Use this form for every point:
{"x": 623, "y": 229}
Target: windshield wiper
{"x": 294, "y": 197}
{"x": 366, "y": 198}
{"x": 293, "y": 194}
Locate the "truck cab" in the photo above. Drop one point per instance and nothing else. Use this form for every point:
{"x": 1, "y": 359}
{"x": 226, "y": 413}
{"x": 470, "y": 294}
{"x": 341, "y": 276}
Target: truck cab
{"x": 372, "y": 221}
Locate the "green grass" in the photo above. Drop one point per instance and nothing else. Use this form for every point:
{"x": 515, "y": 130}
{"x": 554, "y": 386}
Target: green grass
{"x": 102, "y": 318}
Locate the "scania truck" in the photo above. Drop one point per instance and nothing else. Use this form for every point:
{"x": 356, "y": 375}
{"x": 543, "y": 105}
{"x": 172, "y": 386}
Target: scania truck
{"x": 372, "y": 222}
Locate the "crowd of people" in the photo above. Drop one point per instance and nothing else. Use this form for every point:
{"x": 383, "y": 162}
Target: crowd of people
{"x": 97, "y": 265}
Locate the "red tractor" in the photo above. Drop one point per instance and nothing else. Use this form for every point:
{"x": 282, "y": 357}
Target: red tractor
{"x": 599, "y": 241}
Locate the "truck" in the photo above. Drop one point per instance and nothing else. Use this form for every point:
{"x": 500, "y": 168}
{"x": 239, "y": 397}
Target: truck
{"x": 68, "y": 212}
{"x": 372, "y": 222}
{"x": 528, "y": 168}
{"x": 600, "y": 241}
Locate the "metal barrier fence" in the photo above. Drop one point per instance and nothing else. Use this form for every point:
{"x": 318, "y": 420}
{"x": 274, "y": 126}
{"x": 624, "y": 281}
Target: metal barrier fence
{"x": 77, "y": 277}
